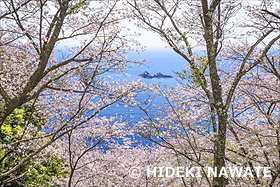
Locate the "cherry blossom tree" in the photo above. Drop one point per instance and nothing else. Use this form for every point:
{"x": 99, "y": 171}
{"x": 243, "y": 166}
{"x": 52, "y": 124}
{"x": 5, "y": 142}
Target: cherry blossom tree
{"x": 254, "y": 127}
{"x": 237, "y": 37}
{"x": 115, "y": 168}
{"x": 55, "y": 57}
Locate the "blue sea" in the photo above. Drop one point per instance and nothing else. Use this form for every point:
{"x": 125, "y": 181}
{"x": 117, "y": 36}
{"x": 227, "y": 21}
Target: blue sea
{"x": 165, "y": 61}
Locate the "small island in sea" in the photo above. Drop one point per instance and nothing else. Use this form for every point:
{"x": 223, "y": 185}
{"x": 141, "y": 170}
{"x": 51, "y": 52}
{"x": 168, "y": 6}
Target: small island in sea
{"x": 147, "y": 75}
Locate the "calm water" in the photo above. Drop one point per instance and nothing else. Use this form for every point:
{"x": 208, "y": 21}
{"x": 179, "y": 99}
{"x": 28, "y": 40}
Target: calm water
{"x": 164, "y": 61}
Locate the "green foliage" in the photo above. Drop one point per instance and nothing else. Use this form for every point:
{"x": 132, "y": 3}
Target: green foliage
{"x": 13, "y": 127}
{"x": 34, "y": 172}
{"x": 184, "y": 74}
{"x": 197, "y": 71}
{"x": 77, "y": 5}
{"x": 175, "y": 36}
{"x": 42, "y": 174}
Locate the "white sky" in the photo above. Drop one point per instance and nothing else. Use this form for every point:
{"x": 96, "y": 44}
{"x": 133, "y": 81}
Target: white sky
{"x": 153, "y": 40}
{"x": 150, "y": 39}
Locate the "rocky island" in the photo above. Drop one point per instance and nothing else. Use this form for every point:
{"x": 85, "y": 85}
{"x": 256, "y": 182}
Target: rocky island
{"x": 147, "y": 75}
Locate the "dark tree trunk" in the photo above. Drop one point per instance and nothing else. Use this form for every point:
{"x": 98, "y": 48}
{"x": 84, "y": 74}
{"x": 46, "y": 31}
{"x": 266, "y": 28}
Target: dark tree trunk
{"x": 220, "y": 136}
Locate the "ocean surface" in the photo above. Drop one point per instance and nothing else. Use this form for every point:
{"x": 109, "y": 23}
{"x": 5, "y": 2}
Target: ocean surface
{"x": 165, "y": 61}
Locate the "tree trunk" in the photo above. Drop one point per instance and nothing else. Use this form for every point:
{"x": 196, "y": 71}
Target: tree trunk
{"x": 219, "y": 149}
{"x": 220, "y": 136}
